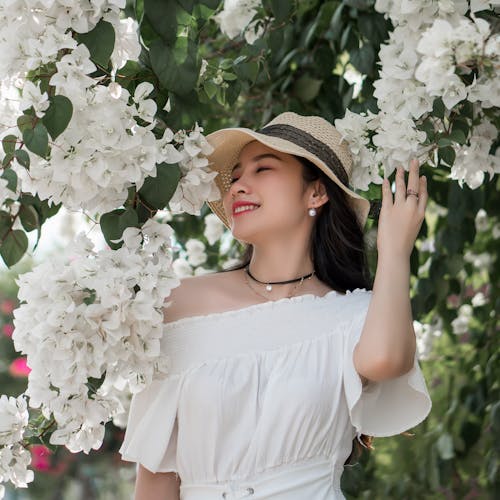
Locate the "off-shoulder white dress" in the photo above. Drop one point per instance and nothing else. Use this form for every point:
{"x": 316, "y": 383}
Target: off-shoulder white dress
{"x": 263, "y": 402}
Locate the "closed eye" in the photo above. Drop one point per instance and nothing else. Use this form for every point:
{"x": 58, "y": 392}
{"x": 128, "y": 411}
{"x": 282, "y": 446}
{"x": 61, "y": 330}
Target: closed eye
{"x": 258, "y": 170}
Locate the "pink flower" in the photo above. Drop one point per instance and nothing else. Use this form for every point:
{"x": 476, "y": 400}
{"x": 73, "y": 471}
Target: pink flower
{"x": 19, "y": 368}
{"x": 8, "y": 329}
{"x": 40, "y": 457}
{"x": 7, "y": 306}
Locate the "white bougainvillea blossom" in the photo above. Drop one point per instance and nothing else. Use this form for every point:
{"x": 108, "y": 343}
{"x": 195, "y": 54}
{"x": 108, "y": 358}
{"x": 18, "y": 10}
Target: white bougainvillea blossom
{"x": 431, "y": 48}
{"x": 88, "y": 314}
{"x": 14, "y": 463}
{"x": 196, "y": 184}
{"x": 236, "y": 18}
{"x": 13, "y": 419}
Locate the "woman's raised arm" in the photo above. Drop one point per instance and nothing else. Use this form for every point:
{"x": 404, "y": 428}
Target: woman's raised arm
{"x": 386, "y": 348}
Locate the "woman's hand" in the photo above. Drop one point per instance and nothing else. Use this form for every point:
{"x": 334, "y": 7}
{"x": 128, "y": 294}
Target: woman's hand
{"x": 400, "y": 219}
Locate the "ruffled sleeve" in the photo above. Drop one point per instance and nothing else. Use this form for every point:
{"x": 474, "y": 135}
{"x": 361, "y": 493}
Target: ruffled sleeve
{"x": 381, "y": 408}
{"x": 151, "y": 434}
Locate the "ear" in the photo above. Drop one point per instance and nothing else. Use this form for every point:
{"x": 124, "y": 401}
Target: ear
{"x": 318, "y": 196}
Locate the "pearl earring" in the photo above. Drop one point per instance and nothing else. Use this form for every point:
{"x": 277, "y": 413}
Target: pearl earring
{"x": 312, "y": 212}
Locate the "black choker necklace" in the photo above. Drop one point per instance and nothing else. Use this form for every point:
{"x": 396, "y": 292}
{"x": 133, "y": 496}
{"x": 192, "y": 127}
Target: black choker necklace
{"x": 270, "y": 283}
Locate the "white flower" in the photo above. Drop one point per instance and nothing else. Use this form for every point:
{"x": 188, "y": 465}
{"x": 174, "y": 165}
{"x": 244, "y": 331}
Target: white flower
{"x": 14, "y": 462}
{"x": 460, "y": 324}
{"x": 496, "y": 231}
{"x": 355, "y": 129}
{"x": 236, "y": 15}
{"x": 127, "y": 46}
{"x": 196, "y": 252}
{"x": 425, "y": 335}
{"x": 473, "y": 160}
{"x": 201, "y": 270}
{"x": 32, "y": 97}
{"x": 182, "y": 268}
{"x": 479, "y": 300}
{"x": 13, "y": 419}
{"x": 481, "y": 221}
{"x": 103, "y": 314}
{"x": 197, "y": 180}
{"x": 481, "y": 261}
{"x": 214, "y": 228}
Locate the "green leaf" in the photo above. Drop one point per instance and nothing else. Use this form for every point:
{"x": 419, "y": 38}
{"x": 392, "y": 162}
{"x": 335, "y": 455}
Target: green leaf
{"x": 336, "y": 24}
{"x": 22, "y": 157}
{"x": 157, "y": 191}
{"x": 90, "y": 297}
{"x": 58, "y": 115}
{"x": 373, "y": 27}
{"x": 177, "y": 68}
{"x": 100, "y": 42}
{"x": 458, "y": 136}
{"x": 363, "y": 59}
{"x": 29, "y": 217}
{"x": 13, "y": 247}
{"x": 162, "y": 16}
{"x": 5, "y": 223}
{"x": 210, "y": 88}
{"x": 229, "y": 76}
{"x": 187, "y": 5}
{"x": 438, "y": 108}
{"x": 307, "y": 88}
{"x": 37, "y": 139}
{"x": 7, "y": 159}
{"x": 360, "y": 4}
{"x": 281, "y": 10}
{"x": 11, "y": 177}
{"x": 114, "y": 223}
{"x": 447, "y": 154}
{"x": 248, "y": 71}
{"x": 9, "y": 143}
{"x": 212, "y": 4}
{"x": 25, "y": 121}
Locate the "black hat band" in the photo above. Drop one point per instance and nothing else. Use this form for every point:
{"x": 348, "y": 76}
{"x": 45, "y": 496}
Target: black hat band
{"x": 311, "y": 144}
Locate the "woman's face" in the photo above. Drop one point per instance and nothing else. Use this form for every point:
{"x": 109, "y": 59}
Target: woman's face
{"x": 273, "y": 181}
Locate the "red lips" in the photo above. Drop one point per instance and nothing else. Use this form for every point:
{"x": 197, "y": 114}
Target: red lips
{"x": 242, "y": 203}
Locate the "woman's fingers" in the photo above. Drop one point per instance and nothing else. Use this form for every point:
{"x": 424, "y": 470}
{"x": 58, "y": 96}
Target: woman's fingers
{"x": 386, "y": 194}
{"x": 423, "y": 195}
{"x": 413, "y": 180}
{"x": 400, "y": 195}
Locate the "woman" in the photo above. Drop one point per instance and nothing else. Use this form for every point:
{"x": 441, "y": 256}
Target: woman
{"x": 278, "y": 365}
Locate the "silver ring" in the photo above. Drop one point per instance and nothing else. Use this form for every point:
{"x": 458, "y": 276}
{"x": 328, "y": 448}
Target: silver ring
{"x": 410, "y": 192}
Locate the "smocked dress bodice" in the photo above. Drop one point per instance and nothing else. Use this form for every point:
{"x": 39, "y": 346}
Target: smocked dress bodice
{"x": 263, "y": 402}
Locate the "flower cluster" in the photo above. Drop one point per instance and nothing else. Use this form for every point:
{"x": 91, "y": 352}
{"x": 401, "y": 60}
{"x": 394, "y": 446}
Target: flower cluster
{"x": 433, "y": 46}
{"x": 103, "y": 151}
{"x": 196, "y": 184}
{"x": 109, "y": 144}
{"x": 90, "y": 324}
{"x": 14, "y": 459}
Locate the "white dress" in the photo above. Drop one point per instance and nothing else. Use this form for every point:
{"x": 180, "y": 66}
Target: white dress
{"x": 263, "y": 402}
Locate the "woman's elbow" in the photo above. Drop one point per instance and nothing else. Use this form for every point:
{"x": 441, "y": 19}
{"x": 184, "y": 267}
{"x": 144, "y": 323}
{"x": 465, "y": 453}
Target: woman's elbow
{"x": 156, "y": 486}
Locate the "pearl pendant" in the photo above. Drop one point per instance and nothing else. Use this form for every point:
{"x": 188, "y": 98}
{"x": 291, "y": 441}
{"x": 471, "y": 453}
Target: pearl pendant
{"x": 269, "y": 288}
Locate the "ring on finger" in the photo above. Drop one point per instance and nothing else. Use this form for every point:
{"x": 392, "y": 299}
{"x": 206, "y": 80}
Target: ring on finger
{"x": 410, "y": 192}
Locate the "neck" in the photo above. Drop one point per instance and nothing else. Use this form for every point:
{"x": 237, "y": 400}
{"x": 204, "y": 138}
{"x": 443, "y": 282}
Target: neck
{"x": 280, "y": 262}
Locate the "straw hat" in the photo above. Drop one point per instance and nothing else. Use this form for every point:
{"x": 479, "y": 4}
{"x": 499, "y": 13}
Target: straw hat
{"x": 310, "y": 137}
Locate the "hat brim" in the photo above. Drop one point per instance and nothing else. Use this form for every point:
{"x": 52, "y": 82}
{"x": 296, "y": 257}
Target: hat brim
{"x": 229, "y": 142}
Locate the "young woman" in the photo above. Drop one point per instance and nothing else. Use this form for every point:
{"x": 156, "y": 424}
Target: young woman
{"x": 280, "y": 364}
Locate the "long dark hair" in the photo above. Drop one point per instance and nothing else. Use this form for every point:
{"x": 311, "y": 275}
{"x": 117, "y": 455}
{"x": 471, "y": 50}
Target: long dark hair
{"x": 337, "y": 250}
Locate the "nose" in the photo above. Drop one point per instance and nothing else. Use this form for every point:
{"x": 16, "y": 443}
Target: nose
{"x": 238, "y": 186}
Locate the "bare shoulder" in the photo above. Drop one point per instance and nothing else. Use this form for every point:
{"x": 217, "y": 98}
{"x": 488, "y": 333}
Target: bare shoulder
{"x": 199, "y": 295}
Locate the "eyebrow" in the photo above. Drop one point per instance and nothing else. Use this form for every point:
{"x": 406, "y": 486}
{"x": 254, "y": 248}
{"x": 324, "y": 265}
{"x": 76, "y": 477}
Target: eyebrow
{"x": 257, "y": 158}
